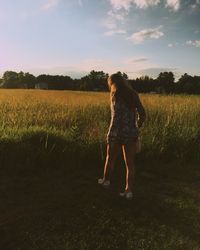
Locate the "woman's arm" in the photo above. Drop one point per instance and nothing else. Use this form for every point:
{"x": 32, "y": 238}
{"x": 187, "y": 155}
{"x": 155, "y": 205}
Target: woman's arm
{"x": 140, "y": 110}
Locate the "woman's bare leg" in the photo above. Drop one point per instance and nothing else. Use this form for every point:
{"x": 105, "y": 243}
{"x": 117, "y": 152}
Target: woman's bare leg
{"x": 129, "y": 150}
{"x": 112, "y": 151}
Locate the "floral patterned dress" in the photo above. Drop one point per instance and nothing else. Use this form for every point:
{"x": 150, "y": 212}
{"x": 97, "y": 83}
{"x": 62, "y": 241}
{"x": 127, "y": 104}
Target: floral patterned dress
{"x": 123, "y": 125}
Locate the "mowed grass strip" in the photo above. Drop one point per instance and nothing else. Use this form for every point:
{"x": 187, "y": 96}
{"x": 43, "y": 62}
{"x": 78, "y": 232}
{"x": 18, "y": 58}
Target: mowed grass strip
{"x": 62, "y": 207}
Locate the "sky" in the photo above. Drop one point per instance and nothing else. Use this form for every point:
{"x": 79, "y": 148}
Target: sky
{"x": 73, "y": 37}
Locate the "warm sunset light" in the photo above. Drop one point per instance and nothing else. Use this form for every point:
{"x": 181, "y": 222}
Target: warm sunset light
{"x": 74, "y": 37}
{"x": 99, "y": 124}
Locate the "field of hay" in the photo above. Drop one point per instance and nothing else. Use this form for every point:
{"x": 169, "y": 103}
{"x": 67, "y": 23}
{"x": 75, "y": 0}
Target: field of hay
{"x": 172, "y": 128}
{"x": 52, "y": 150}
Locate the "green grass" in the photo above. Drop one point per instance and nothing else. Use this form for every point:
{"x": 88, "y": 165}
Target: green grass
{"x": 51, "y": 158}
{"x": 60, "y": 206}
{"x": 171, "y": 131}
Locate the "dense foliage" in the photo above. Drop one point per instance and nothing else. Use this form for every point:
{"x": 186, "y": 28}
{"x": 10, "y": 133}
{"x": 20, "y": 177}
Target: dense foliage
{"x": 97, "y": 81}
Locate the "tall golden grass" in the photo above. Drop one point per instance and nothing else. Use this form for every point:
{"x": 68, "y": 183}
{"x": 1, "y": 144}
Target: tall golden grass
{"x": 172, "y": 125}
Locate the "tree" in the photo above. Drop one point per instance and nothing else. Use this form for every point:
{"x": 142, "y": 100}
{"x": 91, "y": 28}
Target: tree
{"x": 30, "y": 80}
{"x": 143, "y": 84}
{"x": 13, "y": 79}
{"x": 26, "y": 80}
{"x": 56, "y": 82}
{"x": 188, "y": 84}
{"x": 124, "y": 75}
{"x": 10, "y": 79}
{"x": 166, "y": 81}
{"x": 1, "y": 83}
{"x": 95, "y": 80}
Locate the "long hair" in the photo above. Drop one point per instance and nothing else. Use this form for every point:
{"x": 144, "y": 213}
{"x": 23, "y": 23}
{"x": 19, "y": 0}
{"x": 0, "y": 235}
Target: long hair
{"x": 120, "y": 89}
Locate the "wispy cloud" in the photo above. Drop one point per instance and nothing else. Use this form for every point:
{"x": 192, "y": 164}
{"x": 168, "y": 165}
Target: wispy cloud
{"x": 173, "y": 4}
{"x": 121, "y": 4}
{"x": 114, "y": 32}
{"x": 138, "y": 63}
{"x": 143, "y": 4}
{"x": 155, "y": 71}
{"x": 140, "y": 66}
{"x": 110, "y": 23}
{"x": 137, "y": 60}
{"x": 131, "y": 65}
{"x": 49, "y": 4}
{"x": 146, "y": 3}
{"x": 119, "y": 13}
{"x": 173, "y": 44}
{"x": 80, "y": 2}
{"x": 114, "y": 22}
{"x": 140, "y": 36}
{"x": 195, "y": 43}
{"x": 114, "y": 18}
{"x": 126, "y": 4}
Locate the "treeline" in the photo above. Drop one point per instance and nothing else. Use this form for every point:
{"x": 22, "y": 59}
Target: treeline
{"x": 97, "y": 81}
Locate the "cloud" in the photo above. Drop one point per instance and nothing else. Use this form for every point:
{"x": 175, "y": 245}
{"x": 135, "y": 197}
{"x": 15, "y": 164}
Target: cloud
{"x": 142, "y": 35}
{"x": 135, "y": 65}
{"x": 121, "y": 4}
{"x": 116, "y": 15}
{"x": 146, "y": 3}
{"x": 49, "y": 4}
{"x": 80, "y": 2}
{"x": 173, "y": 4}
{"x": 114, "y": 22}
{"x": 195, "y": 5}
{"x": 114, "y": 32}
{"x": 110, "y": 23}
{"x": 137, "y": 60}
{"x": 174, "y": 44}
{"x": 154, "y": 72}
{"x": 114, "y": 18}
{"x": 126, "y": 4}
{"x": 143, "y": 4}
{"x": 127, "y": 65}
{"x": 195, "y": 43}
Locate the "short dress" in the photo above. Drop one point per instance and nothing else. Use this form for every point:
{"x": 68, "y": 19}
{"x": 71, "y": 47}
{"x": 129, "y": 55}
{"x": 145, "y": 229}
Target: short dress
{"x": 123, "y": 127}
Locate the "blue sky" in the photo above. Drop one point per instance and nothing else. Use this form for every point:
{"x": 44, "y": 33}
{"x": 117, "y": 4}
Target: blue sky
{"x": 73, "y": 37}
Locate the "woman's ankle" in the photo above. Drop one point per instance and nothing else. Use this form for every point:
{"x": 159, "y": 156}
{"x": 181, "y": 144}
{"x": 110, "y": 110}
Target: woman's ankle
{"x": 104, "y": 179}
{"x": 128, "y": 190}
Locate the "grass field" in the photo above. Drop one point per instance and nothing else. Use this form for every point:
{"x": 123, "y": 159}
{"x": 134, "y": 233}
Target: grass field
{"x": 52, "y": 152}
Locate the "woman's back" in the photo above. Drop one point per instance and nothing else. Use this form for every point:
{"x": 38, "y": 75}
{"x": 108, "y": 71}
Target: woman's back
{"x": 123, "y": 118}
{"x": 123, "y": 131}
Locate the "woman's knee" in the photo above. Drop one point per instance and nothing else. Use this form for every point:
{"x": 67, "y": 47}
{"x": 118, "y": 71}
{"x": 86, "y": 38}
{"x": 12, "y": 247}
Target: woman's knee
{"x": 130, "y": 165}
{"x": 110, "y": 158}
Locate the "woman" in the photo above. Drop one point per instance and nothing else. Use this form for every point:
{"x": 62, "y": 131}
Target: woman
{"x": 123, "y": 131}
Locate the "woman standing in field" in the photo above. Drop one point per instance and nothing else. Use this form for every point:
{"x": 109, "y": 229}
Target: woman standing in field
{"x": 123, "y": 131}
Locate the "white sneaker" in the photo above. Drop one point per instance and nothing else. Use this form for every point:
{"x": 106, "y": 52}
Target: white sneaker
{"x": 104, "y": 183}
{"x": 127, "y": 195}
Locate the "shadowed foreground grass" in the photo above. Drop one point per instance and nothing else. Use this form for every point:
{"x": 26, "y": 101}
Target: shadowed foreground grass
{"x": 52, "y": 151}
{"x": 50, "y": 199}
